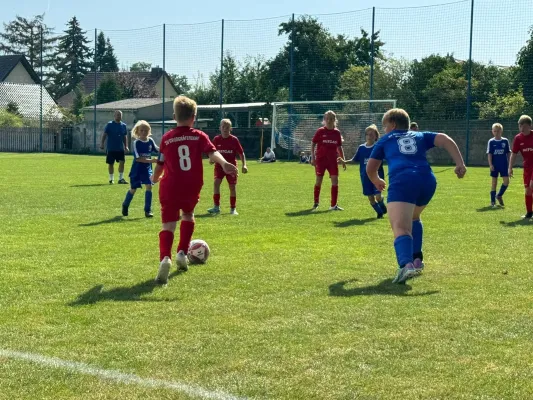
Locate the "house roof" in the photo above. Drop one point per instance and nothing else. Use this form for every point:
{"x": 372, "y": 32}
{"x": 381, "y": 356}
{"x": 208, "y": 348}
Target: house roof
{"x": 28, "y": 100}
{"x": 8, "y": 63}
{"x": 127, "y": 104}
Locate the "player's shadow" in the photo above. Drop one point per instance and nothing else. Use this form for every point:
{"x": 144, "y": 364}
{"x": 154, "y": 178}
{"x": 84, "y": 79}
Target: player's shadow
{"x": 352, "y": 222}
{"x": 117, "y": 219}
{"x": 384, "y": 288}
{"x": 206, "y": 215}
{"x": 520, "y": 222}
{"x": 91, "y": 185}
{"x": 125, "y": 293}
{"x": 443, "y": 170}
{"x": 305, "y": 212}
{"x": 489, "y": 208}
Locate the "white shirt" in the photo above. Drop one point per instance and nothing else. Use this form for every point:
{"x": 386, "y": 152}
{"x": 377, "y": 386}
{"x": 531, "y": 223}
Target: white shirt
{"x": 270, "y": 156}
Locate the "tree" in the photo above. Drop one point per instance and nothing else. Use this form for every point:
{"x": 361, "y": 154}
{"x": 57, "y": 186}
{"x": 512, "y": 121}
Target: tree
{"x": 109, "y": 90}
{"x": 10, "y": 120}
{"x": 525, "y": 66}
{"x": 181, "y": 82}
{"x": 74, "y": 58}
{"x": 510, "y": 105}
{"x": 13, "y": 108}
{"x": 141, "y": 66}
{"x": 100, "y": 50}
{"x": 134, "y": 87}
{"x": 109, "y": 59}
{"x": 23, "y": 36}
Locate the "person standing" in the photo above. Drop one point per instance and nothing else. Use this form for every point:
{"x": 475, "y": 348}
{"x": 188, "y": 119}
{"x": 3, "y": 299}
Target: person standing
{"x": 116, "y": 134}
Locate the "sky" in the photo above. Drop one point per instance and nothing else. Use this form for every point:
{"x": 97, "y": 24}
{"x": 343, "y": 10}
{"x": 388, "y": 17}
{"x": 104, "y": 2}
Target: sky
{"x": 250, "y": 28}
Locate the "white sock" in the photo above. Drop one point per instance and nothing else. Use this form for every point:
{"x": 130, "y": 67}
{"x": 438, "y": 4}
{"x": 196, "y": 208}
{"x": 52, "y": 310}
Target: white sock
{"x": 121, "y": 175}
{"x": 111, "y": 177}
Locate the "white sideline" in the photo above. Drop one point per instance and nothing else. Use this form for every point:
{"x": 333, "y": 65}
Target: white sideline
{"x": 117, "y": 376}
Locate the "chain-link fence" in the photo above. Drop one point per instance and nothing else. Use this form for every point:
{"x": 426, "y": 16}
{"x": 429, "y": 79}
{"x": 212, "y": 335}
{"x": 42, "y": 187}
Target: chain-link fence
{"x": 456, "y": 67}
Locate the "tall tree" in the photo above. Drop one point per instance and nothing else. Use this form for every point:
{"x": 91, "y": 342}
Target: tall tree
{"x": 181, "y": 82}
{"x": 23, "y": 36}
{"x": 141, "y": 66}
{"x": 100, "y": 50}
{"x": 109, "y": 60}
{"x": 525, "y": 66}
{"x": 73, "y": 58}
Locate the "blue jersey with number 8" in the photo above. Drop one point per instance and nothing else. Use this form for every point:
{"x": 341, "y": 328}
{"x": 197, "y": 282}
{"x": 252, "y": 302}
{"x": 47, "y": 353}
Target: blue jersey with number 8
{"x": 405, "y": 151}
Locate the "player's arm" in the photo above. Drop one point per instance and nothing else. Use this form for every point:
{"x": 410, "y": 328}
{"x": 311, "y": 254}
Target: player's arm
{"x": 219, "y": 159}
{"x": 340, "y": 151}
{"x": 102, "y": 142}
{"x": 125, "y": 140}
{"x": 312, "y": 156}
{"x": 372, "y": 168}
{"x": 490, "y": 162}
{"x": 512, "y": 159}
{"x": 447, "y": 143}
{"x": 243, "y": 160}
{"x": 158, "y": 170}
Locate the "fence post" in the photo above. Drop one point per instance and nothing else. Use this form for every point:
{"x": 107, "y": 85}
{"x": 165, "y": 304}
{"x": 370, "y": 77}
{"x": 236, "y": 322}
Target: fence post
{"x": 291, "y": 74}
{"x": 41, "y": 101}
{"x": 164, "y": 79}
{"x": 372, "y": 57}
{"x": 95, "y": 89}
{"x": 222, "y": 71}
{"x": 469, "y": 90}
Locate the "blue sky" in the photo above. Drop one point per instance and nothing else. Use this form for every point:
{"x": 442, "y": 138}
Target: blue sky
{"x": 501, "y": 27}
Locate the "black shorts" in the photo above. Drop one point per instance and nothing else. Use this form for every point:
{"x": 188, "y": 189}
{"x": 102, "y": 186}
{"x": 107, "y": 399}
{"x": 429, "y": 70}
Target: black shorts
{"x": 114, "y": 156}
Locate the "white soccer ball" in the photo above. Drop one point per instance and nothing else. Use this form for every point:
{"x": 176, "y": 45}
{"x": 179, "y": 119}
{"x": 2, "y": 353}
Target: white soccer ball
{"x": 198, "y": 252}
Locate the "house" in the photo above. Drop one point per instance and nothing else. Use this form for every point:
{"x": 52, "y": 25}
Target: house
{"x": 152, "y": 80}
{"x": 16, "y": 69}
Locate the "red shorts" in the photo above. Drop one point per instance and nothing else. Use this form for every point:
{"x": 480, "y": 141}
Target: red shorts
{"x": 528, "y": 176}
{"x": 220, "y": 174}
{"x": 327, "y": 165}
{"x": 170, "y": 212}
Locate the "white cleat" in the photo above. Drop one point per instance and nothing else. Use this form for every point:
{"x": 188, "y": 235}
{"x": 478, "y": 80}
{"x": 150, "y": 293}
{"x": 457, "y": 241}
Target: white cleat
{"x": 182, "y": 261}
{"x": 233, "y": 211}
{"x": 164, "y": 270}
{"x": 336, "y": 208}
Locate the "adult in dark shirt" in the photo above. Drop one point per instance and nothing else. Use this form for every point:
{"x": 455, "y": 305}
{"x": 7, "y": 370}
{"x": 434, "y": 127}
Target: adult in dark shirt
{"x": 116, "y": 134}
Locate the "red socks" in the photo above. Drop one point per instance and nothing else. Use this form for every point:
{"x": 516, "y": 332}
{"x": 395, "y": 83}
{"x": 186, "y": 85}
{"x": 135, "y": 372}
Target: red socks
{"x": 317, "y": 194}
{"x": 166, "y": 238}
{"x": 216, "y": 199}
{"x": 186, "y": 231}
{"x": 232, "y": 201}
{"x": 529, "y": 203}
{"x": 334, "y": 195}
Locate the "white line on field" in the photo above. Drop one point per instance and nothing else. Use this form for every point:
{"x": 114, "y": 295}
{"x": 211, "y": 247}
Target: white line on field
{"x": 117, "y": 376}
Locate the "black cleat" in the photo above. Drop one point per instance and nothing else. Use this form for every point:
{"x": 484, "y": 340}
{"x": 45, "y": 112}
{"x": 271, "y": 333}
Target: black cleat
{"x": 111, "y": 182}
{"x": 384, "y": 208}
{"x": 315, "y": 206}
{"x": 380, "y": 216}
{"x": 148, "y": 214}
{"x": 500, "y": 201}
{"x": 124, "y": 210}
{"x": 122, "y": 182}
{"x": 529, "y": 215}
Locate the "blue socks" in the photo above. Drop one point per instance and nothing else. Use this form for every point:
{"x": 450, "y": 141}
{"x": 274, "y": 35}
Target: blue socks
{"x": 403, "y": 245}
{"x": 383, "y": 207}
{"x": 148, "y": 201}
{"x": 128, "y": 199}
{"x": 503, "y": 188}
{"x": 418, "y": 233}
{"x": 377, "y": 208}
{"x": 493, "y": 197}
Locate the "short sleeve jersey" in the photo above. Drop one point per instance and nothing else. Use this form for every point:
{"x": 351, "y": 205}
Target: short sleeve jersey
{"x": 116, "y": 131}
{"x": 229, "y": 147}
{"x": 144, "y": 150}
{"x": 362, "y": 156}
{"x": 499, "y": 150}
{"x": 405, "y": 151}
{"x": 524, "y": 144}
{"x": 327, "y": 141}
{"x": 181, "y": 155}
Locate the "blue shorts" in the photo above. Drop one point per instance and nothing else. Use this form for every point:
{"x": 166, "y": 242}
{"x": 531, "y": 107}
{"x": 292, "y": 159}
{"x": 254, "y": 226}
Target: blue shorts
{"x": 137, "y": 181}
{"x": 368, "y": 187}
{"x": 412, "y": 188}
{"x": 503, "y": 172}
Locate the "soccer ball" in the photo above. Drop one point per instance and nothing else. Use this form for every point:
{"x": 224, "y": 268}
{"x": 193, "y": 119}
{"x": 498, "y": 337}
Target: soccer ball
{"x": 198, "y": 251}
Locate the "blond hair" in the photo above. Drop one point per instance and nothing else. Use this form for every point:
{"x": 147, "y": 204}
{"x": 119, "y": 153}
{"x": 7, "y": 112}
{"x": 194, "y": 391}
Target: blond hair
{"x": 184, "y": 108}
{"x": 330, "y": 113}
{"x": 498, "y": 127}
{"x": 226, "y": 122}
{"x": 399, "y": 117}
{"x": 525, "y": 119}
{"x": 373, "y": 128}
{"x": 140, "y": 123}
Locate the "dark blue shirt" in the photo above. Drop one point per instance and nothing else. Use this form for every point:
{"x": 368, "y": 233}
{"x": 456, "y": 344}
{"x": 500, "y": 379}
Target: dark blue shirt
{"x": 405, "y": 151}
{"x": 499, "y": 150}
{"x": 144, "y": 150}
{"x": 362, "y": 155}
{"x": 116, "y": 131}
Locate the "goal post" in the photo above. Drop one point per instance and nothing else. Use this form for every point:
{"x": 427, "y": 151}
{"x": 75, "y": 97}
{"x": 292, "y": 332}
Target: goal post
{"x": 295, "y": 123}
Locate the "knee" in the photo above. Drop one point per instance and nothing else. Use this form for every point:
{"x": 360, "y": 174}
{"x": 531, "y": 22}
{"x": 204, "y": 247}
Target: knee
{"x": 529, "y": 191}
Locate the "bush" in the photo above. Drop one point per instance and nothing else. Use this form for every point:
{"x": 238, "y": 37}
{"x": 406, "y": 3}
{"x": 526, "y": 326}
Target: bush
{"x": 8, "y": 119}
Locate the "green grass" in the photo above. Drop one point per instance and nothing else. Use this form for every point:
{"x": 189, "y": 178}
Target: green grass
{"x": 291, "y": 305}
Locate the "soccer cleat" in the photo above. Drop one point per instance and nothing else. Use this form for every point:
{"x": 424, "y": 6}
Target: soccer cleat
{"x": 418, "y": 265}
{"x": 182, "y": 261}
{"x": 336, "y": 208}
{"x": 493, "y": 205}
{"x": 405, "y": 273}
{"x": 164, "y": 269}
{"x": 148, "y": 214}
{"x": 124, "y": 210}
{"x": 500, "y": 201}
{"x": 111, "y": 182}
{"x": 315, "y": 206}
{"x": 529, "y": 215}
{"x": 379, "y": 216}
{"x": 233, "y": 211}
{"x": 214, "y": 210}
{"x": 122, "y": 182}
{"x": 383, "y": 207}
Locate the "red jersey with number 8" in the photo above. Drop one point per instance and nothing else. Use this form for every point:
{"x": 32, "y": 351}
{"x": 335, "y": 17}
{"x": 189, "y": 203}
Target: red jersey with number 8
{"x": 181, "y": 156}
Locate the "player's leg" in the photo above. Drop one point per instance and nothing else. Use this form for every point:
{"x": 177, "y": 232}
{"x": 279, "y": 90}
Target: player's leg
{"x": 129, "y": 197}
{"x": 233, "y": 198}
{"x": 401, "y": 220}
{"x": 148, "y": 201}
{"x": 503, "y": 188}
{"x": 375, "y": 206}
{"x": 169, "y": 216}
{"x": 319, "y": 171}
{"x": 110, "y": 161}
{"x": 216, "y": 197}
{"x": 121, "y": 160}
{"x": 381, "y": 203}
{"x": 333, "y": 170}
{"x": 417, "y": 231}
{"x": 186, "y": 232}
{"x": 528, "y": 185}
{"x": 493, "y": 189}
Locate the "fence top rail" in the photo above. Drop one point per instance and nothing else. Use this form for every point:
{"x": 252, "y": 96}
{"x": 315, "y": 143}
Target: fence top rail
{"x": 281, "y": 103}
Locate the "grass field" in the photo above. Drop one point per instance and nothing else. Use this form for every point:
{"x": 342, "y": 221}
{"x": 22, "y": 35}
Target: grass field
{"x": 291, "y": 305}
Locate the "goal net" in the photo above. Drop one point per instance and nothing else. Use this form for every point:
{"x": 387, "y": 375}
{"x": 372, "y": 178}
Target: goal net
{"x": 295, "y": 123}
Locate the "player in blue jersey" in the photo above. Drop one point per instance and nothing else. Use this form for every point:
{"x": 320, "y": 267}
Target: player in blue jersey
{"x": 141, "y": 169}
{"x": 499, "y": 152}
{"x": 361, "y": 156}
{"x": 411, "y": 184}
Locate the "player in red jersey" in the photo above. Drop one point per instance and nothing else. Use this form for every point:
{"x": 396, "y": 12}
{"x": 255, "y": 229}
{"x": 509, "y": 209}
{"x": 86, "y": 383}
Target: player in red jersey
{"x": 328, "y": 144}
{"x": 180, "y": 163}
{"x": 229, "y": 146}
{"x": 523, "y": 143}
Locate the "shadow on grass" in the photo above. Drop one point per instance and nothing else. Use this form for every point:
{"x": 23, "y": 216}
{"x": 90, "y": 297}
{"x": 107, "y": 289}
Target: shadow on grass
{"x": 489, "y": 208}
{"x": 304, "y": 212}
{"x": 91, "y": 185}
{"x": 385, "y": 287}
{"x": 352, "y": 222}
{"x": 118, "y": 219}
{"x": 443, "y": 170}
{"x": 131, "y": 293}
{"x": 520, "y": 222}
{"x": 206, "y": 215}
